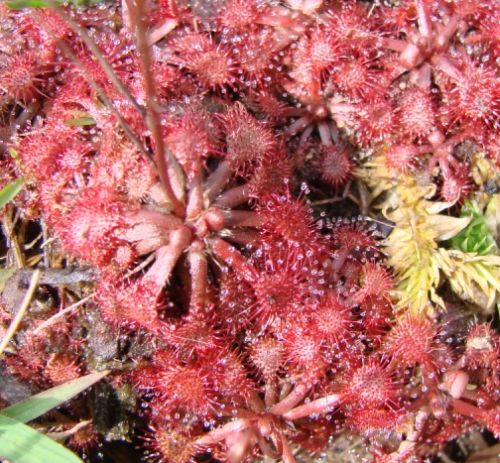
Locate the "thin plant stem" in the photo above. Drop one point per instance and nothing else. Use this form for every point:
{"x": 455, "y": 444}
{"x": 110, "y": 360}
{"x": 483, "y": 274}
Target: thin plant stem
{"x": 287, "y": 454}
{"x": 14, "y": 325}
{"x": 230, "y": 256}
{"x": 195, "y": 197}
{"x": 137, "y": 14}
{"x": 237, "y": 218}
{"x": 239, "y": 236}
{"x": 141, "y": 266}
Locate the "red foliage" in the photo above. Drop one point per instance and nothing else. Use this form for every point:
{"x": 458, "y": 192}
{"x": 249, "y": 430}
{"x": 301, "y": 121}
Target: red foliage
{"x": 263, "y": 317}
{"x": 371, "y": 386}
{"x": 416, "y": 113}
{"x": 189, "y": 140}
{"x": 334, "y": 165}
{"x": 375, "y": 281}
{"x": 170, "y": 445}
{"x": 179, "y": 387}
{"x": 412, "y": 341}
{"x": 267, "y": 355}
{"x": 283, "y": 283}
{"x": 21, "y": 78}
{"x": 62, "y": 368}
{"x": 333, "y": 320}
{"x": 93, "y": 229}
{"x": 289, "y": 221}
{"x": 248, "y": 141}
{"x": 241, "y": 15}
{"x": 304, "y": 351}
{"x": 474, "y": 99}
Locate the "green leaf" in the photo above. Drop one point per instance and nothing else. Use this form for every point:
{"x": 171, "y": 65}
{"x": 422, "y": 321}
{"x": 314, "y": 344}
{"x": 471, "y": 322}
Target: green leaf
{"x": 476, "y": 237}
{"x": 19, "y": 4}
{"x": 9, "y": 192}
{"x": 13, "y": 153}
{"x": 21, "y": 444}
{"x": 41, "y": 403}
{"x": 80, "y": 121}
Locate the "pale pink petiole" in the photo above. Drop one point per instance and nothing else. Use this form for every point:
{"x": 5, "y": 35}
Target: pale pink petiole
{"x": 167, "y": 256}
{"x": 325, "y": 134}
{"x": 223, "y": 432}
{"x": 233, "y": 258}
{"x": 198, "y": 270}
{"x": 243, "y": 237}
{"x": 195, "y": 198}
{"x": 446, "y": 66}
{"x": 164, "y": 221}
{"x": 455, "y": 383}
{"x": 238, "y": 444}
{"x": 234, "y": 196}
{"x": 306, "y": 134}
{"x": 410, "y": 56}
{"x": 447, "y": 32}
{"x": 297, "y": 126}
{"x": 217, "y": 180}
{"x": 266, "y": 448}
{"x": 293, "y": 398}
{"x": 323, "y": 405}
{"x": 242, "y": 219}
{"x": 161, "y": 31}
{"x": 424, "y": 19}
{"x": 286, "y": 451}
{"x": 394, "y": 44}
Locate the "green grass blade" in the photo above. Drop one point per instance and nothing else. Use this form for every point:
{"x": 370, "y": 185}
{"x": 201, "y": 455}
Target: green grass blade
{"x": 21, "y": 444}
{"x": 9, "y": 192}
{"x": 41, "y": 403}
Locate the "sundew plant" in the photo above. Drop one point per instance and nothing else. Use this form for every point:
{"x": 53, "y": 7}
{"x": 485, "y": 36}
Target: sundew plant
{"x": 262, "y": 214}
